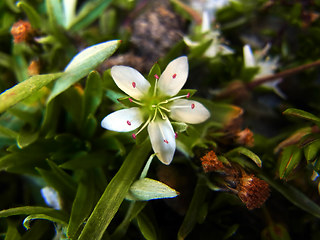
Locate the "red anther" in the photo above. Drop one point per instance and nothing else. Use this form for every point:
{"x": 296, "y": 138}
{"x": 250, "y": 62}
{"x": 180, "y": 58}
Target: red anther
{"x": 188, "y": 95}
{"x": 156, "y": 76}
{"x": 192, "y": 106}
{"x": 134, "y": 136}
{"x": 175, "y": 135}
{"x": 166, "y": 141}
{"x": 130, "y": 99}
{"x": 129, "y": 123}
{"x": 133, "y": 84}
{"x": 174, "y": 75}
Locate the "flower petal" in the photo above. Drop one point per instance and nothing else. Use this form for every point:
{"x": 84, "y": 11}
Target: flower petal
{"x": 188, "y": 111}
{"x": 162, "y": 138}
{"x": 124, "y": 120}
{"x": 130, "y": 81}
{"x": 174, "y": 76}
{"x": 249, "y": 60}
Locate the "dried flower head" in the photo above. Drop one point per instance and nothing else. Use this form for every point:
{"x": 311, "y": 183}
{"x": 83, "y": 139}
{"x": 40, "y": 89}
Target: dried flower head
{"x": 211, "y": 163}
{"x": 253, "y": 191}
{"x": 21, "y": 31}
{"x": 245, "y": 137}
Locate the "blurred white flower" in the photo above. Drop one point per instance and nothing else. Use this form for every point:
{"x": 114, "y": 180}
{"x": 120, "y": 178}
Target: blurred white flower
{"x": 154, "y": 105}
{"x": 51, "y": 197}
{"x": 266, "y": 65}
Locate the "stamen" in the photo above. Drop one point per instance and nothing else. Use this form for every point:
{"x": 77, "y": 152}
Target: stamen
{"x": 177, "y": 97}
{"x": 166, "y": 109}
{"x": 129, "y": 123}
{"x": 156, "y": 76}
{"x": 144, "y": 125}
{"x": 163, "y": 116}
{"x": 166, "y": 141}
{"x": 192, "y": 106}
{"x": 136, "y": 102}
{"x": 174, "y": 76}
{"x": 133, "y": 84}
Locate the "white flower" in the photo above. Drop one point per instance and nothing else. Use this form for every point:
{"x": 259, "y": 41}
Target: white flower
{"x": 266, "y": 65}
{"x": 155, "y": 104}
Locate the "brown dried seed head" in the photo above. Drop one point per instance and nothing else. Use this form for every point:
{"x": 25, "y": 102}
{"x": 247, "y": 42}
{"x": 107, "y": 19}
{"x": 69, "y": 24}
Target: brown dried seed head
{"x": 253, "y": 191}
{"x": 211, "y": 163}
{"x": 21, "y": 31}
{"x": 245, "y": 137}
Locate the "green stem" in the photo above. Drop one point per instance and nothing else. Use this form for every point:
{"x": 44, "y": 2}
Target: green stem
{"x": 115, "y": 193}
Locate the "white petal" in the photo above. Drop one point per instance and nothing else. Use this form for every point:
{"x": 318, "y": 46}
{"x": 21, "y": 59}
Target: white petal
{"x": 249, "y": 60}
{"x": 124, "y": 120}
{"x": 130, "y": 81}
{"x": 188, "y": 111}
{"x": 162, "y": 138}
{"x": 174, "y": 76}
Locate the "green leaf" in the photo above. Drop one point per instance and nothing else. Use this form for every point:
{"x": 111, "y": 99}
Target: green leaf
{"x": 27, "y": 138}
{"x": 82, "y": 205}
{"x": 32, "y": 14}
{"x": 248, "y": 153}
{"x": 146, "y": 227}
{"x": 27, "y": 220}
{"x": 146, "y": 189}
{"x": 31, "y": 210}
{"x": 302, "y": 114}
{"x": 12, "y": 231}
{"x": 8, "y": 132}
{"x": 311, "y": 150}
{"x": 55, "y": 13}
{"x": 59, "y": 180}
{"x": 82, "y": 64}
{"x": 88, "y": 160}
{"x": 89, "y": 13}
{"x": 25, "y": 89}
{"x": 115, "y": 193}
{"x": 289, "y": 160}
{"x": 92, "y": 98}
{"x": 191, "y": 217}
{"x": 294, "y": 196}
{"x": 134, "y": 209}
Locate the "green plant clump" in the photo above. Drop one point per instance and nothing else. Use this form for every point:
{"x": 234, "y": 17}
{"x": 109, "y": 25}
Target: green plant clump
{"x": 171, "y": 119}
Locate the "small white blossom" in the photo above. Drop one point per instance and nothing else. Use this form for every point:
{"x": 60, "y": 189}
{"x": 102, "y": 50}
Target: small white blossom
{"x": 266, "y": 65}
{"x": 155, "y": 105}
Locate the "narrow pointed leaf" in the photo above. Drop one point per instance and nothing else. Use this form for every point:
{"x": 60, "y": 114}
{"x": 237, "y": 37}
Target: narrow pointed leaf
{"x": 60, "y": 220}
{"x": 31, "y": 210}
{"x": 191, "y": 217}
{"x": 115, "y": 193}
{"x": 302, "y": 114}
{"x": 146, "y": 227}
{"x": 84, "y": 200}
{"x": 82, "y": 64}
{"x": 90, "y": 12}
{"x": 248, "y": 153}
{"x": 32, "y": 14}
{"x": 294, "y": 196}
{"x": 25, "y": 89}
{"x": 12, "y": 232}
{"x": 289, "y": 160}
